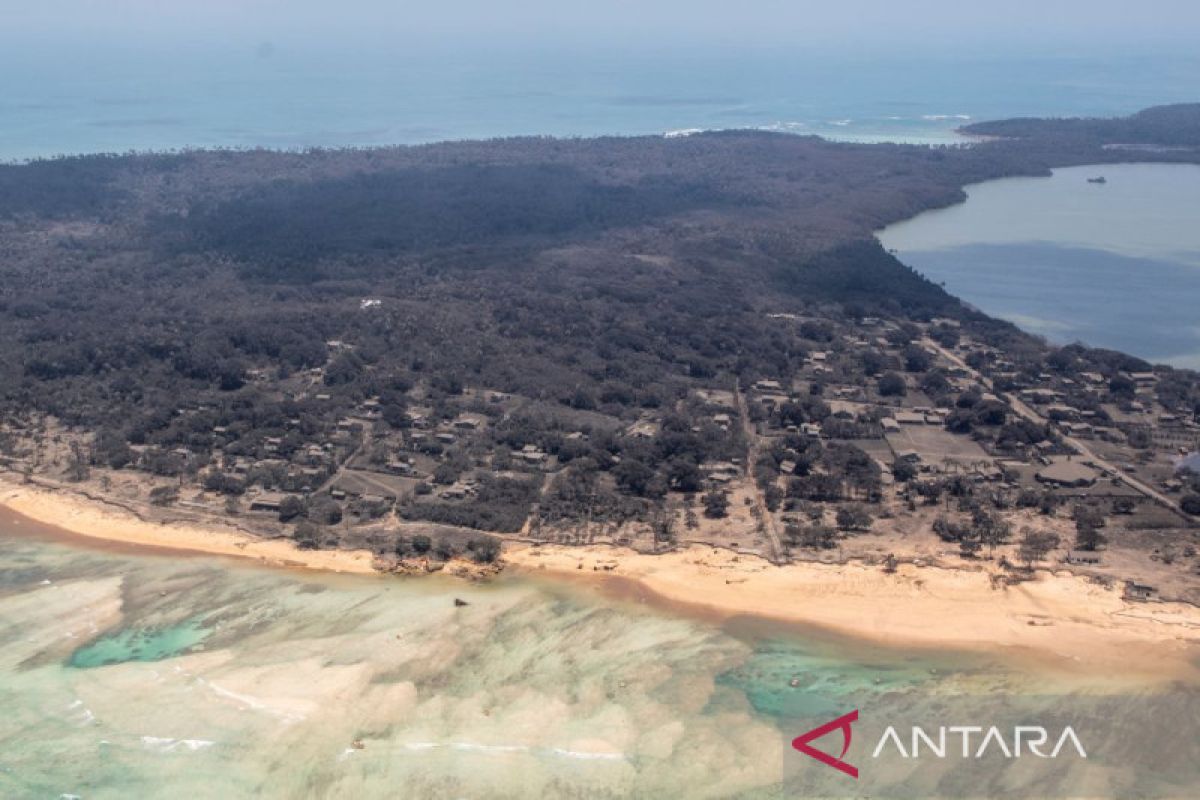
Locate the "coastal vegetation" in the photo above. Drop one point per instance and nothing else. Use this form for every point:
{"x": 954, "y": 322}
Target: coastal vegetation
{"x": 639, "y": 340}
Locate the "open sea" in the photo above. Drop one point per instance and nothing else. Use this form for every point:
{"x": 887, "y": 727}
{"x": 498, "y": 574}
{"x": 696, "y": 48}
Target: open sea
{"x": 97, "y": 97}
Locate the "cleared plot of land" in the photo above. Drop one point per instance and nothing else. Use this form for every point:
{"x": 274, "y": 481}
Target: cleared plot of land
{"x": 877, "y": 449}
{"x": 937, "y": 445}
{"x": 363, "y": 483}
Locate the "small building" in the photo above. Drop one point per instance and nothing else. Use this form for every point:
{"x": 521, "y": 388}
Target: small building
{"x": 468, "y": 422}
{"x": 268, "y": 501}
{"x": 1139, "y": 591}
{"x": 1083, "y": 557}
{"x": 531, "y": 454}
{"x": 909, "y": 418}
{"x": 1068, "y": 475}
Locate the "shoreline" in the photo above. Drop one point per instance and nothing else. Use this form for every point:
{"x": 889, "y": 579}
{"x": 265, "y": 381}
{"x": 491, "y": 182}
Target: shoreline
{"x": 72, "y": 516}
{"x": 1060, "y": 620}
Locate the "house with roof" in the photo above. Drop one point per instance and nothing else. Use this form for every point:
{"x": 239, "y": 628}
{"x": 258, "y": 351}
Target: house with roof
{"x": 1068, "y": 474}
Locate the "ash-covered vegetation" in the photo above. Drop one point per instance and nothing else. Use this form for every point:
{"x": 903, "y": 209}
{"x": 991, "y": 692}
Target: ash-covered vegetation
{"x": 261, "y": 322}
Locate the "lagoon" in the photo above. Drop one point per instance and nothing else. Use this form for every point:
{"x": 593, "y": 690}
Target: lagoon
{"x": 1113, "y": 265}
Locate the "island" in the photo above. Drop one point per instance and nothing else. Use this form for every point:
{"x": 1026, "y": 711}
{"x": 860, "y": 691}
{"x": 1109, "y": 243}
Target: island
{"x": 685, "y": 360}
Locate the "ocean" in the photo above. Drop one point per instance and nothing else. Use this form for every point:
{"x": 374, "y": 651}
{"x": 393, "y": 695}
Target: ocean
{"x": 127, "y": 674}
{"x": 97, "y": 97}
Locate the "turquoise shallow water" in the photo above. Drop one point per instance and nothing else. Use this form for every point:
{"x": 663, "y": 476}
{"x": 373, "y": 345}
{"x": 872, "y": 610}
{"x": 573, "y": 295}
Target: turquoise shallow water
{"x": 151, "y": 676}
{"x": 130, "y": 644}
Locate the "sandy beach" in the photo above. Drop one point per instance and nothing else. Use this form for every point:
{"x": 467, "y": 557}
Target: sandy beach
{"x": 103, "y": 523}
{"x": 1061, "y": 620}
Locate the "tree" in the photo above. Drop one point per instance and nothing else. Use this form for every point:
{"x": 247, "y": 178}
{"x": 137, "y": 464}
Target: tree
{"x": 633, "y": 476}
{"x": 1036, "y": 545}
{"x": 485, "y": 549}
{"x": 773, "y": 496}
{"x": 110, "y": 448}
{"x": 892, "y": 385}
{"x": 903, "y": 471}
{"x": 421, "y": 544}
{"x": 290, "y": 508}
{"x": 991, "y": 530}
{"x": 969, "y": 547}
{"x": 77, "y": 464}
{"x": 1088, "y": 537}
{"x": 716, "y": 504}
{"x": 853, "y": 518}
{"x": 325, "y": 511}
{"x": 818, "y": 537}
{"x": 1191, "y": 504}
{"x": 308, "y": 536}
{"x": 917, "y": 358}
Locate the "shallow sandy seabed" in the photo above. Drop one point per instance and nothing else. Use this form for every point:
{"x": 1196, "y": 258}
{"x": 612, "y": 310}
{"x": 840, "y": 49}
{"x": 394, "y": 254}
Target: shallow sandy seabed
{"x": 1061, "y": 620}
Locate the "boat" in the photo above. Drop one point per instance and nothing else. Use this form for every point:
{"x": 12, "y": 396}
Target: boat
{"x": 1099, "y": 179}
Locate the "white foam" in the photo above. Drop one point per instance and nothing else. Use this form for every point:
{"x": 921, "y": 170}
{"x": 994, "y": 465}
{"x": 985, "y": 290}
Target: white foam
{"x": 558, "y": 751}
{"x": 682, "y": 132}
{"x": 160, "y": 744}
{"x": 253, "y": 703}
{"x": 490, "y": 748}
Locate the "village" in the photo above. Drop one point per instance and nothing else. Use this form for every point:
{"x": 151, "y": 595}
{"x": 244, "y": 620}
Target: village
{"x": 883, "y": 440}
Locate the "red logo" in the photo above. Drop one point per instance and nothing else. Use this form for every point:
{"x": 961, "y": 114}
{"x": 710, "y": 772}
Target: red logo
{"x": 843, "y": 723}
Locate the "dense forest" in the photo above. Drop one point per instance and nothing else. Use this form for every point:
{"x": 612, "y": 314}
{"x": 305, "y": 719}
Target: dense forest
{"x": 1175, "y": 126}
{"x": 152, "y": 299}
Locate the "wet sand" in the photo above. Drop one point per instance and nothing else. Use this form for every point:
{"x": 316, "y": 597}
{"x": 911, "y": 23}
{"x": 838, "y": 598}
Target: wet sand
{"x": 1061, "y": 620}
{"x": 80, "y": 517}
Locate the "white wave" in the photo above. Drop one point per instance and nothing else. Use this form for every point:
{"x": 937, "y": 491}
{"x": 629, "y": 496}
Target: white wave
{"x": 841, "y": 123}
{"x": 676, "y": 134}
{"x": 475, "y": 747}
{"x": 558, "y": 751}
{"x": 253, "y": 703}
{"x": 160, "y": 744}
{"x": 944, "y": 117}
{"x": 490, "y": 748}
{"x": 80, "y": 714}
{"x": 784, "y": 126}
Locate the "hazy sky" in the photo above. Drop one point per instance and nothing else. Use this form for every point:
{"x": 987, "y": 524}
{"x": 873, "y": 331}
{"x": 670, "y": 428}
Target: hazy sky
{"x": 890, "y": 24}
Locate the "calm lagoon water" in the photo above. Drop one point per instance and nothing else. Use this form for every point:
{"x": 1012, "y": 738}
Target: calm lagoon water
{"x": 128, "y": 675}
{"x": 1113, "y": 265}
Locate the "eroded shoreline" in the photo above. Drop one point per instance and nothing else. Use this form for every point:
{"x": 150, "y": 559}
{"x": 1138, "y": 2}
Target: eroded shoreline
{"x": 1060, "y": 620}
